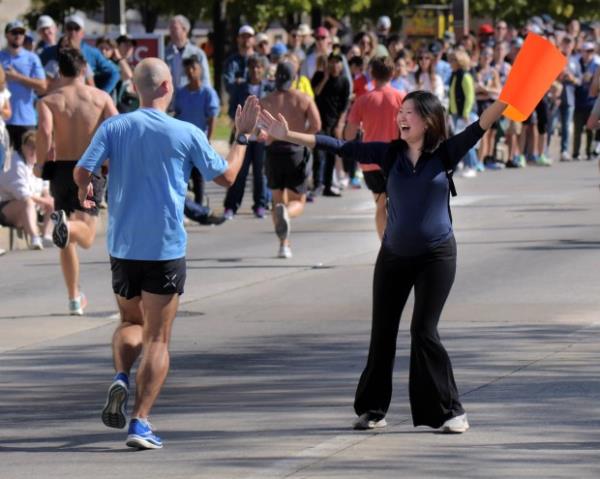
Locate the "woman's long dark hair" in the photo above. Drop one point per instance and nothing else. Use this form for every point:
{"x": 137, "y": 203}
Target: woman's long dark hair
{"x": 429, "y": 107}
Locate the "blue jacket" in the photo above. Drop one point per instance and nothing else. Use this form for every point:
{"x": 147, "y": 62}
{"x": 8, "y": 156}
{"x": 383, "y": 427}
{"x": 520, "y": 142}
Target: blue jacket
{"x": 106, "y": 73}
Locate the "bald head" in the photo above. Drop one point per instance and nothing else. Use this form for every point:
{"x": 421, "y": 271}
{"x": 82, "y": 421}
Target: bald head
{"x": 151, "y": 76}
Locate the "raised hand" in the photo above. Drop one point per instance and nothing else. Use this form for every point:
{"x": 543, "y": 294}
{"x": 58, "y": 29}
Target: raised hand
{"x": 246, "y": 117}
{"x": 277, "y": 128}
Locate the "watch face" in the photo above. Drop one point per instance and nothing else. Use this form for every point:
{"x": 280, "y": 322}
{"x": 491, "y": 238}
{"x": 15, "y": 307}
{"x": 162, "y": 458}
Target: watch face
{"x": 242, "y": 139}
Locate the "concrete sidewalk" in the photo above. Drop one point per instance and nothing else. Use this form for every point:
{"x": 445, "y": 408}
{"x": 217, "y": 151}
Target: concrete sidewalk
{"x": 266, "y": 353}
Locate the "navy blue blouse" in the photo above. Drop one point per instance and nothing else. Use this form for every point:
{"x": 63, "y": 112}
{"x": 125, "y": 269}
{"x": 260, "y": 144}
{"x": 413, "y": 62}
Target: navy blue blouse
{"x": 418, "y": 218}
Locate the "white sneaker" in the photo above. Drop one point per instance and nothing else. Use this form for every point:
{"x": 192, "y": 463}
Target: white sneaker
{"x": 77, "y": 305}
{"x": 367, "y": 421}
{"x": 36, "y": 243}
{"x": 282, "y": 221}
{"x": 456, "y": 425}
{"x": 564, "y": 156}
{"x": 2, "y": 251}
{"x": 48, "y": 242}
{"x": 284, "y": 252}
{"x": 468, "y": 173}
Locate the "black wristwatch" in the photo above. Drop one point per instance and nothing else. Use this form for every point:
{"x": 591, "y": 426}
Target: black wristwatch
{"x": 241, "y": 139}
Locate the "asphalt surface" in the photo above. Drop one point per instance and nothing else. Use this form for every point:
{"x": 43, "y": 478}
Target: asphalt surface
{"x": 266, "y": 353}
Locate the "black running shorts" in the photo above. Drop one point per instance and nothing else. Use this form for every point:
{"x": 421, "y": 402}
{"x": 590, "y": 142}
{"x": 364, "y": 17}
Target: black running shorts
{"x": 131, "y": 277}
{"x": 375, "y": 181}
{"x": 286, "y": 167}
{"x": 64, "y": 190}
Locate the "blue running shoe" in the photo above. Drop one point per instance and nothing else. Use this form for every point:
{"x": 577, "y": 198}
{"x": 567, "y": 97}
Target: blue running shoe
{"x": 114, "y": 412}
{"x": 140, "y": 435}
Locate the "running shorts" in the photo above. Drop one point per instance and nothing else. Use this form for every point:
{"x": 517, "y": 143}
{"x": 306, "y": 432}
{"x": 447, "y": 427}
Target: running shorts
{"x": 64, "y": 190}
{"x": 131, "y": 277}
{"x": 285, "y": 167}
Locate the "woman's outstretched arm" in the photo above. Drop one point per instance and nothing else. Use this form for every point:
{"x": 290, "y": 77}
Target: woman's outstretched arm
{"x": 278, "y": 129}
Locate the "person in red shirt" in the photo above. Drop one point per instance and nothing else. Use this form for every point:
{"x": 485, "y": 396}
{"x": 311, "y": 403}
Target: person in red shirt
{"x": 360, "y": 81}
{"x": 375, "y": 114}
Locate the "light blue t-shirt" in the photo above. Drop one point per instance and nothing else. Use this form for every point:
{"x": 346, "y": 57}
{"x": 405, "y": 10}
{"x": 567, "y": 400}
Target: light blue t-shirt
{"x": 198, "y": 106}
{"x": 150, "y": 160}
{"x": 22, "y": 97}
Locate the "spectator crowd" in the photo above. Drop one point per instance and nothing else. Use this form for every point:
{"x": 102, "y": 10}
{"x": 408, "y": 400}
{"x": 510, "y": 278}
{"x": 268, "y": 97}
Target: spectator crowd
{"x": 335, "y": 69}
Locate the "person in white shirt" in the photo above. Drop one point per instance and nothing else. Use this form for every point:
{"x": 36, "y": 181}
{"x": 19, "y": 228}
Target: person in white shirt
{"x": 426, "y": 79}
{"x": 22, "y": 194}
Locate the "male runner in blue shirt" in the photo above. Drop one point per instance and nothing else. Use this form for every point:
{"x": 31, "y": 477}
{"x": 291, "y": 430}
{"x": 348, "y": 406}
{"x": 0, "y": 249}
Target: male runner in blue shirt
{"x": 151, "y": 156}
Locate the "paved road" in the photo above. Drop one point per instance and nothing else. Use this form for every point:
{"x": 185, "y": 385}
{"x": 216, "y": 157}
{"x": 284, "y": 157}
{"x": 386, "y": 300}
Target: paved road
{"x": 267, "y": 352}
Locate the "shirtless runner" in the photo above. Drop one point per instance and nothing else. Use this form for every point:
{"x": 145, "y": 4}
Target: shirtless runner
{"x": 68, "y": 118}
{"x": 286, "y": 163}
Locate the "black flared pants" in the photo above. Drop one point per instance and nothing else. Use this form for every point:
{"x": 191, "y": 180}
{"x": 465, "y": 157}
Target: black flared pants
{"x": 432, "y": 389}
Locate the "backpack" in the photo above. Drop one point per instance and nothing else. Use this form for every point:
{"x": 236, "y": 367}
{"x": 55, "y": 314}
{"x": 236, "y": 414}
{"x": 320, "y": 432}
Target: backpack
{"x": 392, "y": 155}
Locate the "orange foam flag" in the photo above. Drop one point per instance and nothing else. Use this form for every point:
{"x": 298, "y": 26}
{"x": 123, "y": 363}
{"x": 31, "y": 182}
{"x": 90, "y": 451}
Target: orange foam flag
{"x": 537, "y": 65}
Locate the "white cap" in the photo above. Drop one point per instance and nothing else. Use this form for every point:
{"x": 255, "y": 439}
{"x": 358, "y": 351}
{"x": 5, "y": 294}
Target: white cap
{"x": 45, "y": 21}
{"x": 246, "y": 29}
{"x": 384, "y": 22}
{"x": 304, "y": 29}
{"x": 75, "y": 19}
{"x": 587, "y": 46}
{"x": 261, "y": 37}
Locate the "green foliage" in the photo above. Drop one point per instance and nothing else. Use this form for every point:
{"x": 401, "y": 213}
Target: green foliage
{"x": 517, "y": 11}
{"x": 59, "y": 9}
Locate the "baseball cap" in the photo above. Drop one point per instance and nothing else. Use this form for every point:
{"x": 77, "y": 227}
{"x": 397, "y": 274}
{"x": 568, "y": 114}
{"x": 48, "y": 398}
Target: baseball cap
{"x": 434, "y": 48}
{"x": 279, "y": 49}
{"x": 246, "y": 30}
{"x": 284, "y": 76}
{"x": 304, "y": 29}
{"x": 486, "y": 29}
{"x": 45, "y": 21}
{"x": 517, "y": 42}
{"x": 535, "y": 28}
{"x": 76, "y": 19}
{"x": 126, "y": 39}
{"x": 14, "y": 25}
{"x": 261, "y": 37}
{"x": 322, "y": 32}
{"x": 384, "y": 22}
{"x": 588, "y": 46}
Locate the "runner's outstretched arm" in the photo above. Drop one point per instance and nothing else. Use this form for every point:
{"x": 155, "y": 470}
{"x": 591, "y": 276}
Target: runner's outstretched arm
{"x": 245, "y": 123}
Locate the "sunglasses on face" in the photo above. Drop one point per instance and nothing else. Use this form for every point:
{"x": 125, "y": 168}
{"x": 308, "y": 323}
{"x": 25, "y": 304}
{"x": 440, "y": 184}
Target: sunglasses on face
{"x": 17, "y": 33}
{"x": 72, "y": 27}
{"x": 321, "y": 38}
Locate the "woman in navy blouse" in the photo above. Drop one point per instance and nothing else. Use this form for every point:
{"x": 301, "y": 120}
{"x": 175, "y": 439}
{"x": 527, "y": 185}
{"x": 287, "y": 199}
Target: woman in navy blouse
{"x": 418, "y": 250}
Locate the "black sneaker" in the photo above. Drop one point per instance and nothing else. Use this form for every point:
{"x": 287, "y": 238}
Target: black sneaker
{"x": 331, "y": 193}
{"x": 213, "y": 220}
{"x": 368, "y": 421}
{"x": 60, "y": 233}
{"x": 114, "y": 412}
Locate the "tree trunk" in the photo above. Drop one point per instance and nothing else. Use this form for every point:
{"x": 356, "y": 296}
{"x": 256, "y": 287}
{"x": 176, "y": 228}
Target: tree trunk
{"x": 219, "y": 41}
{"x": 316, "y": 17}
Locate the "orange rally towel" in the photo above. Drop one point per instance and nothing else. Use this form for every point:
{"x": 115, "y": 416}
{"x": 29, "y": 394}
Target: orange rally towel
{"x": 537, "y": 65}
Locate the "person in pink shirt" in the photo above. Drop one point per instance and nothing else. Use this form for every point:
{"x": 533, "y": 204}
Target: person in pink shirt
{"x": 374, "y": 113}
